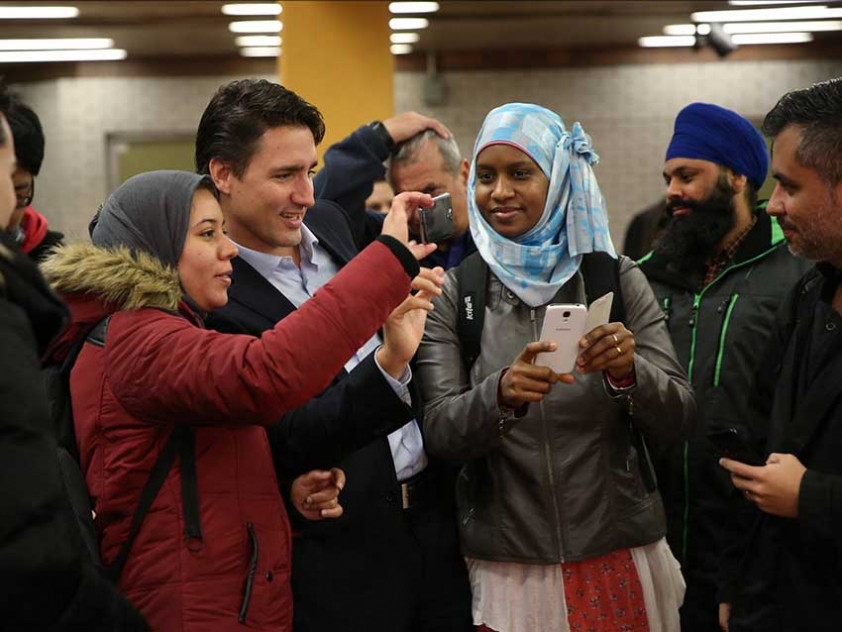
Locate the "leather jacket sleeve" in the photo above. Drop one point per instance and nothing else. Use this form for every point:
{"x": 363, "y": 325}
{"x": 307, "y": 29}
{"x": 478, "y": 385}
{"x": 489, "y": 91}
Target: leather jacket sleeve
{"x": 663, "y": 405}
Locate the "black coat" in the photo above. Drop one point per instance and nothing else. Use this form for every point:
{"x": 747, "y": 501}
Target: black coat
{"x": 47, "y": 580}
{"x": 791, "y": 575}
{"x": 718, "y": 332}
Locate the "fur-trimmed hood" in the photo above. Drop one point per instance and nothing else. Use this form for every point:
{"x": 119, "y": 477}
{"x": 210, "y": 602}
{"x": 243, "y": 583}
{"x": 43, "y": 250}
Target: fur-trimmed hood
{"x": 113, "y": 275}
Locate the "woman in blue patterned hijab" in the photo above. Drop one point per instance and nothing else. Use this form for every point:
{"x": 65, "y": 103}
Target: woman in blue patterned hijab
{"x": 560, "y": 523}
{"x": 535, "y": 260}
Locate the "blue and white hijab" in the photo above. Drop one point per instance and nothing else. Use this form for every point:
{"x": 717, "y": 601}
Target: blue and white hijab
{"x": 574, "y": 222}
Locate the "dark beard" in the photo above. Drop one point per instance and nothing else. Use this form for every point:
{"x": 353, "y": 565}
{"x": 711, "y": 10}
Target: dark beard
{"x": 689, "y": 241}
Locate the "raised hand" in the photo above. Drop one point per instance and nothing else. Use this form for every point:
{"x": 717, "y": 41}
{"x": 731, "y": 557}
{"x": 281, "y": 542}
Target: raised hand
{"x": 403, "y": 205}
{"x": 408, "y": 124}
{"x": 403, "y": 330}
{"x": 524, "y": 381}
{"x": 608, "y": 348}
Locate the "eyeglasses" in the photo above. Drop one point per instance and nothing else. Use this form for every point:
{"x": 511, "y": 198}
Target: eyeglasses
{"x": 25, "y": 195}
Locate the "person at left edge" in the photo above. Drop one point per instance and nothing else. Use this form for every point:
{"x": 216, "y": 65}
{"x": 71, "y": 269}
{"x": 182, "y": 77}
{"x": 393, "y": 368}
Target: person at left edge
{"x": 391, "y": 562}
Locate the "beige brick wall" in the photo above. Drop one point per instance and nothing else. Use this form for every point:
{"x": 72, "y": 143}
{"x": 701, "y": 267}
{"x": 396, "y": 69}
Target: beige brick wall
{"x": 627, "y": 109}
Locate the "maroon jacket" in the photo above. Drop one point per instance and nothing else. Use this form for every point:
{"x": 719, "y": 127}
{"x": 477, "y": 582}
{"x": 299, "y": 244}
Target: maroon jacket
{"x": 160, "y": 368}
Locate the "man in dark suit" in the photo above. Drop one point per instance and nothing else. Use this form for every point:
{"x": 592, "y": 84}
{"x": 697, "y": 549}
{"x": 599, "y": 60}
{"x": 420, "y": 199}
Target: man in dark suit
{"x": 392, "y": 561}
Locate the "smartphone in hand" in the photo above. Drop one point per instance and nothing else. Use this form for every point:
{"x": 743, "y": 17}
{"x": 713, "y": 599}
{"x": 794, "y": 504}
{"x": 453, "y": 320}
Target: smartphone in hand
{"x": 436, "y": 222}
{"x": 565, "y": 325}
{"x": 733, "y": 443}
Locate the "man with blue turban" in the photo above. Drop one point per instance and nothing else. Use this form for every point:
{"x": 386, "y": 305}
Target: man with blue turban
{"x": 719, "y": 273}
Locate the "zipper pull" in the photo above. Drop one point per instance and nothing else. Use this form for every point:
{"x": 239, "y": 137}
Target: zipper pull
{"x": 697, "y": 299}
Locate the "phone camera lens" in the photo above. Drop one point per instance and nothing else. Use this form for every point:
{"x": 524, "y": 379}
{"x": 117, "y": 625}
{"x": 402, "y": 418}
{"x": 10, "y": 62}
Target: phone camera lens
{"x": 566, "y": 314}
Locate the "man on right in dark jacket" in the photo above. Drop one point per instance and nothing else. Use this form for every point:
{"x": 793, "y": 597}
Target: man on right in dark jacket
{"x": 719, "y": 273}
{"x": 790, "y": 577}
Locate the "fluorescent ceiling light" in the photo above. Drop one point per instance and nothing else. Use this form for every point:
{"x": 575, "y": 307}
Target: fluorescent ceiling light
{"x": 404, "y": 38}
{"x": 783, "y": 27}
{"x": 759, "y": 15}
{"x": 400, "y": 49}
{"x": 260, "y": 51}
{"x": 687, "y": 29}
{"x": 258, "y": 40}
{"x": 752, "y": 3}
{"x": 70, "y": 43}
{"x": 256, "y": 26}
{"x": 662, "y": 41}
{"x": 413, "y": 7}
{"x": 408, "y": 24}
{"x": 261, "y": 8}
{"x": 733, "y": 28}
{"x": 771, "y": 38}
{"x": 13, "y": 57}
{"x": 37, "y": 13}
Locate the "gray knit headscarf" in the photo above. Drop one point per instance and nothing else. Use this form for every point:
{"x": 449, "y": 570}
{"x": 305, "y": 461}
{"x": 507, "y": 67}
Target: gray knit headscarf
{"x": 150, "y": 212}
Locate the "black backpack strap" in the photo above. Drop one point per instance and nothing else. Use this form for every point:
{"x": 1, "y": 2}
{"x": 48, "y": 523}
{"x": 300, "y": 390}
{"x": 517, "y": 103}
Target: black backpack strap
{"x": 472, "y": 275}
{"x": 601, "y": 273}
{"x": 180, "y": 442}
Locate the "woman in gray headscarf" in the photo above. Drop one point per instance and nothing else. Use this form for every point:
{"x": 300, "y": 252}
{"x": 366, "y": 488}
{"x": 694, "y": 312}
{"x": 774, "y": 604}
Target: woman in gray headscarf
{"x": 159, "y": 259}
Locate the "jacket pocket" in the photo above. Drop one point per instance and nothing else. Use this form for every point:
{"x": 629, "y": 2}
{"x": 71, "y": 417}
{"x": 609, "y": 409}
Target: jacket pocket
{"x": 255, "y": 557}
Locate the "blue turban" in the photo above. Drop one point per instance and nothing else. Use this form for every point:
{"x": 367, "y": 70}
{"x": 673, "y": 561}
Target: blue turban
{"x": 704, "y": 131}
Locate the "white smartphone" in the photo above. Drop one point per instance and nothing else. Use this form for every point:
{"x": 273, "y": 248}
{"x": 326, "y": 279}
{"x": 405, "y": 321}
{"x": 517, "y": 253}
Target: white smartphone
{"x": 564, "y": 324}
{"x": 599, "y": 312}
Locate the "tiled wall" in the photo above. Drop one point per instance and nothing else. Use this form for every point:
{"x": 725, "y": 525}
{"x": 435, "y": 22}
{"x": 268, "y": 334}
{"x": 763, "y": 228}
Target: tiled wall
{"x": 627, "y": 109}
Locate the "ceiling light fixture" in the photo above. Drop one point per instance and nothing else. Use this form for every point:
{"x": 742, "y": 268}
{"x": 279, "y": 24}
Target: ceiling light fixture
{"x": 771, "y": 38}
{"x": 759, "y": 15}
{"x": 400, "y": 49}
{"x": 38, "y": 13}
{"x": 756, "y": 27}
{"x": 783, "y": 27}
{"x": 257, "y": 8}
{"x": 413, "y": 7}
{"x": 667, "y": 41}
{"x": 256, "y": 26}
{"x": 70, "y": 43}
{"x": 752, "y": 3}
{"x": 408, "y": 24}
{"x": 258, "y": 40}
{"x": 14, "y": 57}
{"x": 260, "y": 51}
{"x": 405, "y": 38}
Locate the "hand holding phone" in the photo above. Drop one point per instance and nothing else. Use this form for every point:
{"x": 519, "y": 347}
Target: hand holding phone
{"x": 436, "y": 222}
{"x": 733, "y": 443}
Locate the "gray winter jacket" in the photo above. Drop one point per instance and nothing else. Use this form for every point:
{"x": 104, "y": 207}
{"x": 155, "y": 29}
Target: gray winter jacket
{"x": 562, "y": 482}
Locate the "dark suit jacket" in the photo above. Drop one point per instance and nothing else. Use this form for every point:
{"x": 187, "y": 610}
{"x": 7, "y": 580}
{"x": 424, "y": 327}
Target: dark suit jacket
{"x": 346, "y": 426}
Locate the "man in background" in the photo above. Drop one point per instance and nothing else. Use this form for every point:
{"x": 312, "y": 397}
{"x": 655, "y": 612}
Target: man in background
{"x": 381, "y": 197}
{"x": 27, "y": 226}
{"x": 719, "y": 272}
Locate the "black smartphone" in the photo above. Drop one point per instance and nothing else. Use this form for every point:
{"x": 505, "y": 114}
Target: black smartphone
{"x": 733, "y": 443}
{"x": 437, "y": 221}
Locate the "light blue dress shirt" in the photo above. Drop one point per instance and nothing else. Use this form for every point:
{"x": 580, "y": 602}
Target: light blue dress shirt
{"x": 298, "y": 284}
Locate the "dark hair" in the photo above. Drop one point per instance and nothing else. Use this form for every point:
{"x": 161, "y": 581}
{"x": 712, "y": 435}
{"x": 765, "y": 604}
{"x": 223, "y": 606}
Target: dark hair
{"x": 817, "y": 111}
{"x": 28, "y": 135}
{"x": 238, "y": 115}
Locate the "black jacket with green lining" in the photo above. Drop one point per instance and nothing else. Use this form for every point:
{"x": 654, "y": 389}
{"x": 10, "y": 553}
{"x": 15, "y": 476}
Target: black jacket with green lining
{"x": 719, "y": 332}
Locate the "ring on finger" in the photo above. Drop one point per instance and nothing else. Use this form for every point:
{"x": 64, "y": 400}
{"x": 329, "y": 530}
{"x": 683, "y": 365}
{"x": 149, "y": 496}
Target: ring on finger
{"x": 616, "y": 340}
{"x": 619, "y": 351}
